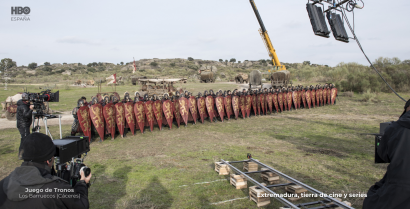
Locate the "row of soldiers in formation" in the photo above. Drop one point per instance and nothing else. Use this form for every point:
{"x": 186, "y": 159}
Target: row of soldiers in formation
{"x": 108, "y": 114}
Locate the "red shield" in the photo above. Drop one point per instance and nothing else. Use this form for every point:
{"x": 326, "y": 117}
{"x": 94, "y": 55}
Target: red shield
{"x": 175, "y": 109}
{"x": 192, "y": 108}
{"x": 120, "y": 117}
{"x": 299, "y": 97}
{"x": 269, "y": 99}
{"x": 235, "y": 106}
{"x": 258, "y": 104}
{"x": 275, "y": 101}
{"x": 242, "y": 105}
{"x": 254, "y": 104}
{"x": 248, "y": 104}
{"x": 157, "y": 107}
{"x": 308, "y": 97}
{"x": 183, "y": 109}
{"x": 12, "y": 108}
{"x": 333, "y": 94}
{"x": 328, "y": 96}
{"x": 220, "y": 107}
{"x": 84, "y": 120}
{"x": 129, "y": 116}
{"x": 167, "y": 108}
{"x": 97, "y": 118}
{"x": 228, "y": 106}
{"x": 140, "y": 115}
{"x": 295, "y": 99}
{"x": 313, "y": 97}
{"x": 289, "y": 101}
{"x": 280, "y": 101}
{"x": 285, "y": 100}
{"x": 324, "y": 96}
{"x": 149, "y": 112}
{"x": 304, "y": 98}
{"x": 209, "y": 103}
{"x": 202, "y": 108}
{"x": 109, "y": 115}
{"x": 317, "y": 97}
{"x": 262, "y": 102}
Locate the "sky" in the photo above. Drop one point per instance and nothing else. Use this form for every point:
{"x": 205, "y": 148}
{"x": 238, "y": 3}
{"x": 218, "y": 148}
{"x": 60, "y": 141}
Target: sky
{"x": 84, "y": 31}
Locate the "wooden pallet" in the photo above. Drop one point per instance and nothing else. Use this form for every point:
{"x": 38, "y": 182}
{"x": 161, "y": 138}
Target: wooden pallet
{"x": 270, "y": 177}
{"x": 250, "y": 166}
{"x": 256, "y": 196}
{"x": 340, "y": 200}
{"x": 238, "y": 181}
{"x": 222, "y": 169}
{"x": 295, "y": 189}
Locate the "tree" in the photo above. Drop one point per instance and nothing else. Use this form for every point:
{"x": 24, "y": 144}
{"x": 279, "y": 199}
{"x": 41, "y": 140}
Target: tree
{"x": 89, "y": 64}
{"x": 64, "y": 63}
{"x": 100, "y": 64}
{"x": 79, "y": 64}
{"x": 154, "y": 64}
{"x": 32, "y": 65}
{"x": 91, "y": 70}
{"x": 221, "y": 60}
{"x": 172, "y": 64}
{"x": 239, "y": 62}
{"x": 95, "y": 64}
{"x": 122, "y": 63}
{"x": 10, "y": 64}
{"x": 48, "y": 69}
{"x": 46, "y": 64}
{"x": 232, "y": 60}
{"x": 190, "y": 59}
{"x": 306, "y": 63}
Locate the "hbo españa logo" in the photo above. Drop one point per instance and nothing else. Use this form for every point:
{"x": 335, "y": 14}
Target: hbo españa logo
{"x": 20, "y": 10}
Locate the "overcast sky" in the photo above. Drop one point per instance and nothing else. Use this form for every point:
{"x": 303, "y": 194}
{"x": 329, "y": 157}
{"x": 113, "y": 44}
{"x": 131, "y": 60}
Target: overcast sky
{"x": 113, "y": 31}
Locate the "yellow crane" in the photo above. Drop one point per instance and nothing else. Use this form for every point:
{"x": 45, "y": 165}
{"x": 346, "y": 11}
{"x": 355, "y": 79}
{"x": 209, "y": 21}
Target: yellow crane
{"x": 280, "y": 76}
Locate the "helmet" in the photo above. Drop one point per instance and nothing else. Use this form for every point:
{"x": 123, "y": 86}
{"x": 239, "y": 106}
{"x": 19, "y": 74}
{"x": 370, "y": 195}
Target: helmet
{"x": 136, "y": 99}
{"x": 94, "y": 100}
{"x": 24, "y": 96}
{"x": 80, "y": 103}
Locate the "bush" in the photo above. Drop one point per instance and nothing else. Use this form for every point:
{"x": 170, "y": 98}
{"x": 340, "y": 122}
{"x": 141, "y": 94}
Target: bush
{"x": 32, "y": 65}
{"x": 46, "y": 64}
{"x": 173, "y": 64}
{"x": 232, "y": 60}
{"x": 190, "y": 59}
{"x": 91, "y": 70}
{"x": 154, "y": 64}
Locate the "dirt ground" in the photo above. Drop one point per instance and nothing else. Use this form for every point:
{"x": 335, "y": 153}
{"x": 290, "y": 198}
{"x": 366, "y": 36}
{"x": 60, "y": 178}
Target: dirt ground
{"x": 66, "y": 119}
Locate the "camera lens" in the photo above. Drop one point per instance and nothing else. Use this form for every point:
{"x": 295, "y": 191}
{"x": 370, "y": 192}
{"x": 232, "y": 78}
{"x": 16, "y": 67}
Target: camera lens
{"x": 86, "y": 170}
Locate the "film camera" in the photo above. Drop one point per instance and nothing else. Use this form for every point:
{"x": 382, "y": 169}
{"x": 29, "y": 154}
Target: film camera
{"x": 38, "y": 99}
{"x": 68, "y": 159}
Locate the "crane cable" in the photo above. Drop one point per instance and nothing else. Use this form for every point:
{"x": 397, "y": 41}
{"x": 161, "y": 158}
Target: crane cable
{"x": 360, "y": 46}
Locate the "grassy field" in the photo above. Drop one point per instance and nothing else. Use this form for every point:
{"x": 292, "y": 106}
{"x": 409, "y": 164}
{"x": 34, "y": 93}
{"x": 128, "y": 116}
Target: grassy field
{"x": 322, "y": 147}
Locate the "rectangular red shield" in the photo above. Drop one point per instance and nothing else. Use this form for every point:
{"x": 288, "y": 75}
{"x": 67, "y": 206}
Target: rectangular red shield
{"x": 109, "y": 116}
{"x": 97, "y": 117}
{"x": 157, "y": 107}
{"x": 258, "y": 104}
{"x": 209, "y": 103}
{"x": 328, "y": 96}
{"x": 120, "y": 117}
{"x": 275, "y": 101}
{"x": 285, "y": 101}
{"x": 242, "y": 105}
{"x": 289, "y": 101}
{"x": 228, "y": 106}
{"x": 202, "y": 108}
{"x": 129, "y": 116}
{"x": 333, "y": 95}
{"x": 235, "y": 106}
{"x": 183, "y": 109}
{"x": 299, "y": 98}
{"x": 140, "y": 115}
{"x": 219, "y": 101}
{"x": 295, "y": 99}
{"x": 149, "y": 112}
{"x": 84, "y": 120}
{"x": 248, "y": 104}
{"x": 192, "y": 108}
{"x": 169, "y": 115}
{"x": 175, "y": 109}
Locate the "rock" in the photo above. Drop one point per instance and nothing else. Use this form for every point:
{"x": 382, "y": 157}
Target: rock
{"x": 57, "y": 64}
{"x": 214, "y": 69}
{"x": 67, "y": 72}
{"x": 31, "y": 72}
{"x": 124, "y": 68}
{"x": 223, "y": 75}
{"x": 203, "y": 68}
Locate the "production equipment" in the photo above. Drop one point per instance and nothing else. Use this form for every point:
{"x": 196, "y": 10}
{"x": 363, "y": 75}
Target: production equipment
{"x": 377, "y": 140}
{"x": 68, "y": 159}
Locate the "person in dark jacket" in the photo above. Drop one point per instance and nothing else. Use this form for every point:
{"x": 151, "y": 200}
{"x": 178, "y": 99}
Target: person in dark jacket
{"x": 393, "y": 190}
{"x": 24, "y": 118}
{"x": 32, "y": 185}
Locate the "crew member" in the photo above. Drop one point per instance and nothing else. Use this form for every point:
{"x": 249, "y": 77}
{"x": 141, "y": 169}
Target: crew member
{"x": 393, "y": 190}
{"x": 24, "y": 118}
{"x": 32, "y": 185}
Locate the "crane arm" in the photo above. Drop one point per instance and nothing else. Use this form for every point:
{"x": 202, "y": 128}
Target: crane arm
{"x": 265, "y": 37}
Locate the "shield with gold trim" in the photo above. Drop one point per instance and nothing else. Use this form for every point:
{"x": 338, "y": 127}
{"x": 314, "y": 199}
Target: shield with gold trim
{"x": 258, "y": 104}
{"x": 149, "y": 113}
{"x": 324, "y": 96}
{"x": 109, "y": 116}
{"x": 235, "y": 106}
{"x": 280, "y": 101}
{"x": 248, "y": 104}
{"x": 317, "y": 97}
{"x": 183, "y": 109}
{"x": 157, "y": 107}
{"x": 242, "y": 105}
{"x": 299, "y": 98}
{"x": 97, "y": 117}
{"x": 304, "y": 98}
{"x": 202, "y": 108}
{"x": 120, "y": 117}
{"x": 313, "y": 97}
{"x": 209, "y": 103}
{"x": 193, "y": 108}
{"x": 285, "y": 101}
{"x": 289, "y": 101}
{"x": 139, "y": 113}
{"x": 129, "y": 116}
{"x": 269, "y": 99}
{"x": 295, "y": 99}
{"x": 333, "y": 94}
{"x": 169, "y": 115}
{"x": 84, "y": 120}
{"x": 175, "y": 109}
{"x": 308, "y": 98}
{"x": 262, "y": 102}
{"x": 328, "y": 96}
{"x": 228, "y": 106}
{"x": 255, "y": 108}
{"x": 219, "y": 101}
{"x": 275, "y": 101}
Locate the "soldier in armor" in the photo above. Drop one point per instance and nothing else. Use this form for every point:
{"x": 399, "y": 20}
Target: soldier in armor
{"x": 229, "y": 92}
{"x": 75, "y": 128}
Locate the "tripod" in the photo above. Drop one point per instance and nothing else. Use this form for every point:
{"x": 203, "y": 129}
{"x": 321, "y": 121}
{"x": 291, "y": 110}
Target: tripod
{"x": 36, "y": 128}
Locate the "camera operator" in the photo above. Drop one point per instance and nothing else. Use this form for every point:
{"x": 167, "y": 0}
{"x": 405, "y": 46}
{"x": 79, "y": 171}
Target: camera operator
{"x": 393, "y": 190}
{"x": 24, "y": 118}
{"x": 32, "y": 186}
